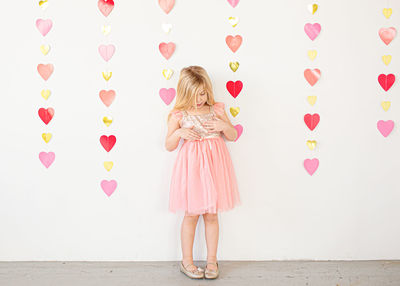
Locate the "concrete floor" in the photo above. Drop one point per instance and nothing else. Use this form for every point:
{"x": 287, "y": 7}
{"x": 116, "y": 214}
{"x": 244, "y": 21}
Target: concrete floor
{"x": 276, "y": 273}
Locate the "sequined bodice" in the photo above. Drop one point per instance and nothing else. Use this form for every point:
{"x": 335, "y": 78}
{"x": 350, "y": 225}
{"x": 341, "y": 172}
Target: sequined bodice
{"x": 197, "y": 120}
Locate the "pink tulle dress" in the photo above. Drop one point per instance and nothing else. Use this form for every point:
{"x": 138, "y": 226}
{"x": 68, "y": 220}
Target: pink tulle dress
{"x": 203, "y": 177}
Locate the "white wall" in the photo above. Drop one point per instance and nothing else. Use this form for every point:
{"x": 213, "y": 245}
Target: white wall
{"x": 347, "y": 210}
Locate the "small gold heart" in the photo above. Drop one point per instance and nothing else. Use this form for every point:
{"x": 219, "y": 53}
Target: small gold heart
{"x": 107, "y": 120}
{"x": 45, "y": 49}
{"x": 167, "y": 73}
{"x": 312, "y": 54}
{"x": 385, "y": 105}
{"x": 313, "y": 8}
{"x": 233, "y": 21}
{"x": 43, "y": 4}
{"x": 234, "y": 66}
{"x": 387, "y": 12}
{"x": 234, "y": 111}
{"x": 311, "y": 144}
{"x": 311, "y": 99}
{"x": 106, "y": 29}
{"x": 45, "y": 93}
{"x": 386, "y": 59}
{"x": 108, "y": 165}
{"x": 107, "y": 75}
{"x": 46, "y": 137}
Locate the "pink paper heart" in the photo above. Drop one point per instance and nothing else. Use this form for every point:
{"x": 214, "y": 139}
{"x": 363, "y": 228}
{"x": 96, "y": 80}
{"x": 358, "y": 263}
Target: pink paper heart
{"x": 234, "y": 42}
{"x": 107, "y": 96}
{"x": 106, "y": 51}
{"x": 312, "y": 30}
{"x": 239, "y": 129}
{"x": 47, "y": 158}
{"x": 167, "y": 49}
{"x": 44, "y": 26}
{"x": 387, "y": 34}
{"x": 167, "y": 95}
{"x": 105, "y": 6}
{"x": 166, "y": 5}
{"x": 312, "y": 76}
{"x": 385, "y": 127}
{"x": 45, "y": 71}
{"x": 233, "y": 2}
{"x": 311, "y": 165}
{"x": 108, "y": 186}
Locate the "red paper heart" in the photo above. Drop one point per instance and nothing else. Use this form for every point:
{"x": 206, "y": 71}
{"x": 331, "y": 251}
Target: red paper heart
{"x": 311, "y": 120}
{"x": 107, "y": 96}
{"x": 234, "y": 88}
{"x": 105, "y": 6}
{"x": 46, "y": 114}
{"x": 386, "y": 81}
{"x": 108, "y": 142}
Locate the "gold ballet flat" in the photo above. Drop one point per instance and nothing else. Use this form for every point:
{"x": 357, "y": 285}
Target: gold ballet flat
{"x": 210, "y": 273}
{"x": 198, "y": 273}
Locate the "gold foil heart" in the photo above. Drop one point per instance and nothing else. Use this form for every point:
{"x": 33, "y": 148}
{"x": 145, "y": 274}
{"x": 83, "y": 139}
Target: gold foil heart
{"x": 312, "y": 99}
{"x": 313, "y": 8}
{"x": 45, "y": 49}
{"x": 46, "y": 137}
{"x": 311, "y": 144}
{"x": 386, "y": 59}
{"x": 387, "y": 12}
{"x": 385, "y": 105}
{"x": 43, "y": 4}
{"x": 107, "y": 120}
{"x": 234, "y": 66}
{"x": 312, "y": 54}
{"x": 45, "y": 93}
{"x": 234, "y": 111}
{"x": 167, "y": 73}
{"x": 108, "y": 165}
{"x": 233, "y": 21}
{"x": 107, "y": 75}
{"x": 106, "y": 29}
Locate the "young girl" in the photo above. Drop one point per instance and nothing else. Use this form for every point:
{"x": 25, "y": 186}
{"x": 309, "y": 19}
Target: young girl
{"x": 203, "y": 178}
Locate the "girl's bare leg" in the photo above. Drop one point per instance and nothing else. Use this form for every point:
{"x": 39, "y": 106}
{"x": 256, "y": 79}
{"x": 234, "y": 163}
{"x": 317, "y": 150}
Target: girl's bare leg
{"x": 188, "y": 229}
{"x": 212, "y": 233}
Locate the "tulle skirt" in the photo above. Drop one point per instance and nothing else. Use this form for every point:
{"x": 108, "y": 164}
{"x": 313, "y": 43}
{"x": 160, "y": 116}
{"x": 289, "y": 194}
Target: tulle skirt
{"x": 203, "y": 178}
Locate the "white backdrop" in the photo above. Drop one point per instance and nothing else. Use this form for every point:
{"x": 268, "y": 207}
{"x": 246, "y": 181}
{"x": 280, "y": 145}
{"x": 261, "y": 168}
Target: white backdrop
{"x": 347, "y": 210}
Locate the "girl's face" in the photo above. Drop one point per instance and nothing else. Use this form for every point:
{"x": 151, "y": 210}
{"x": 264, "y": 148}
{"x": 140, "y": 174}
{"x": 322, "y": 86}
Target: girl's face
{"x": 201, "y": 98}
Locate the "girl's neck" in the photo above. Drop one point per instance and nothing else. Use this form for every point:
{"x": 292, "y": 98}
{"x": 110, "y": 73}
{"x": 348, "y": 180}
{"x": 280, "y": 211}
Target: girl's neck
{"x": 202, "y": 110}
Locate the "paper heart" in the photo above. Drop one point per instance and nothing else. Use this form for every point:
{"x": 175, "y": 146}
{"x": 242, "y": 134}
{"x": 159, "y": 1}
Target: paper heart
{"x": 311, "y": 120}
{"x": 233, "y": 21}
{"x": 108, "y": 142}
{"x": 167, "y": 94}
{"x": 166, "y": 5}
{"x": 311, "y": 144}
{"x": 312, "y": 76}
{"x": 234, "y": 88}
{"x": 44, "y": 26}
{"x": 107, "y": 96}
{"x": 311, "y": 165}
{"x": 167, "y": 49}
{"x": 385, "y": 127}
{"x": 234, "y": 42}
{"x": 386, "y": 59}
{"x": 105, "y": 29}
{"x": 107, "y": 120}
{"x": 385, "y": 105}
{"x": 46, "y": 137}
{"x": 239, "y": 129}
{"x": 312, "y": 8}
{"x": 234, "y": 66}
{"x": 108, "y": 186}
{"x": 234, "y": 111}
{"x": 47, "y": 158}
{"x": 233, "y": 2}
{"x": 105, "y": 6}
{"x": 312, "y": 30}
{"x": 311, "y": 99}
{"x": 44, "y": 49}
{"x": 166, "y": 27}
{"x": 46, "y": 114}
{"x": 45, "y": 93}
{"x": 312, "y": 54}
{"x": 106, "y": 51}
{"x": 108, "y": 165}
{"x": 387, "y": 34}
{"x": 386, "y": 81}
{"x": 45, "y": 71}
{"x": 387, "y": 12}
{"x": 107, "y": 75}
{"x": 167, "y": 73}
{"x": 43, "y": 4}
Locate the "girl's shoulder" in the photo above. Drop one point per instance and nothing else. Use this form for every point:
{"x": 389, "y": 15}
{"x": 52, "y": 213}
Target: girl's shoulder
{"x": 219, "y": 108}
{"x": 177, "y": 114}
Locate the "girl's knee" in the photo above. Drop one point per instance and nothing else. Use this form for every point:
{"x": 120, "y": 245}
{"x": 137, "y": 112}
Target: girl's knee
{"x": 210, "y": 218}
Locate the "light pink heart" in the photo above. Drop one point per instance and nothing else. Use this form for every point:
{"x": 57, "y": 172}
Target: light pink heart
{"x": 311, "y": 165}
{"x": 166, "y": 5}
{"x": 387, "y": 34}
{"x": 239, "y": 129}
{"x": 385, "y": 127}
{"x": 167, "y": 94}
{"x": 45, "y": 71}
{"x": 47, "y": 158}
{"x": 233, "y": 2}
{"x": 44, "y": 26}
{"x": 108, "y": 186}
{"x": 107, "y": 96}
{"x": 106, "y": 51}
{"x": 167, "y": 49}
{"x": 312, "y": 30}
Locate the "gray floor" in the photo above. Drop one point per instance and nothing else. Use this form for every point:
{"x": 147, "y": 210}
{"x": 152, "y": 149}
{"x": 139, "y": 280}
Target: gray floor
{"x": 276, "y": 273}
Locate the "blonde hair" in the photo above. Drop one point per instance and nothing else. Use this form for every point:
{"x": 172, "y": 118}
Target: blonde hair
{"x": 191, "y": 80}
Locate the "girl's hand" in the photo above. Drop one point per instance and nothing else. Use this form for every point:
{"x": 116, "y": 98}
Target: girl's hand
{"x": 215, "y": 125}
{"x": 188, "y": 133}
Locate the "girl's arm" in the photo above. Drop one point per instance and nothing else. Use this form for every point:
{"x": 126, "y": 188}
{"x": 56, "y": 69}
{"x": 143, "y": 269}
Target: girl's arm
{"x": 173, "y": 136}
{"x": 229, "y": 130}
